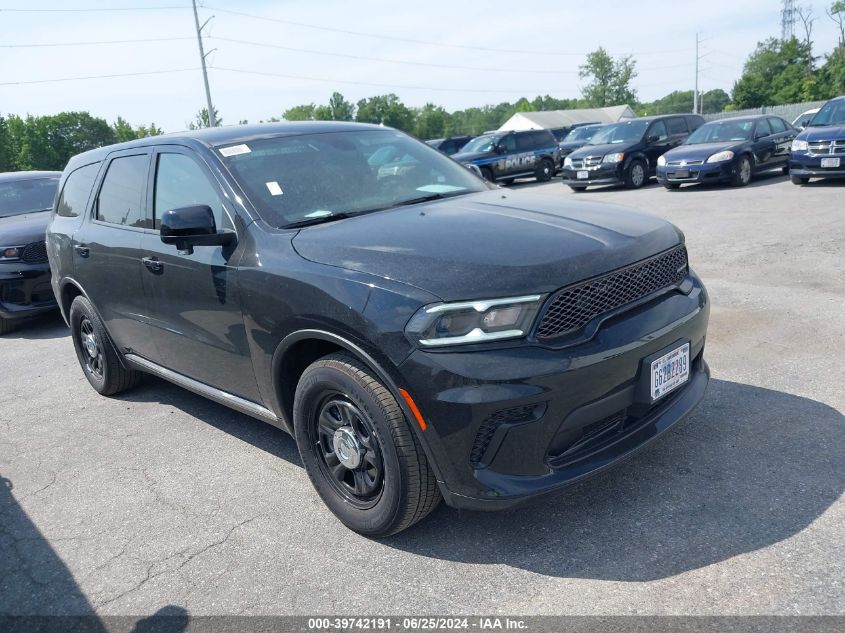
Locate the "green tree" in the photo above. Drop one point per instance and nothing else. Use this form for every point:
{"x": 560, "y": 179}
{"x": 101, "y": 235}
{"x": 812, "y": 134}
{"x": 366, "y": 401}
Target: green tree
{"x": 6, "y": 161}
{"x": 431, "y": 122}
{"x": 836, "y": 12}
{"x": 831, "y": 76}
{"x": 387, "y": 110}
{"x": 201, "y": 119}
{"x": 300, "y": 113}
{"x": 341, "y": 109}
{"x": 714, "y": 101}
{"x": 123, "y": 131}
{"x": 775, "y": 73}
{"x": 153, "y": 130}
{"x": 610, "y": 79}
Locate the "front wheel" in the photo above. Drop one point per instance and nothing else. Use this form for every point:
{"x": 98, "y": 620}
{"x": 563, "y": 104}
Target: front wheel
{"x": 743, "y": 172}
{"x": 359, "y": 451}
{"x": 635, "y": 176}
{"x": 545, "y": 170}
{"x": 799, "y": 180}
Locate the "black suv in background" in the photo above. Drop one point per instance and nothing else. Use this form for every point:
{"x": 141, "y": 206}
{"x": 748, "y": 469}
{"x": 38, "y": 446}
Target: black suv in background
{"x": 449, "y": 146}
{"x": 420, "y": 332}
{"x": 25, "y": 201}
{"x": 504, "y": 156}
{"x": 819, "y": 150}
{"x": 577, "y": 138}
{"x": 626, "y": 153}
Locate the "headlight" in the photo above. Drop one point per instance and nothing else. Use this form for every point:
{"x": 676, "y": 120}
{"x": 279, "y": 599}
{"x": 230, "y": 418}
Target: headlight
{"x": 661, "y": 162}
{"x": 473, "y": 321}
{"x": 721, "y": 157}
{"x": 567, "y": 162}
{"x": 614, "y": 158}
{"x": 8, "y": 253}
{"x": 800, "y": 146}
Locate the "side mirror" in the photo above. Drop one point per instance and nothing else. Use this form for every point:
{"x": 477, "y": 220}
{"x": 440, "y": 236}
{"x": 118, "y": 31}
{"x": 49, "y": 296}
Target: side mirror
{"x": 187, "y": 227}
{"x": 652, "y": 138}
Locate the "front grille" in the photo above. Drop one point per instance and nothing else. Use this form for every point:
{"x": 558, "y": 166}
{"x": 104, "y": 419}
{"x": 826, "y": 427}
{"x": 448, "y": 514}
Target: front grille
{"x": 34, "y": 253}
{"x": 685, "y": 163}
{"x": 575, "y": 306}
{"x": 827, "y": 147}
{"x": 589, "y": 161}
{"x": 488, "y": 428}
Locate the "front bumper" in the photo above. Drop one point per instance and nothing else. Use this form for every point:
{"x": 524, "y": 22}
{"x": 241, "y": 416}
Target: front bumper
{"x": 810, "y": 166}
{"x": 602, "y": 174}
{"x": 508, "y": 425}
{"x": 25, "y": 290}
{"x": 706, "y": 172}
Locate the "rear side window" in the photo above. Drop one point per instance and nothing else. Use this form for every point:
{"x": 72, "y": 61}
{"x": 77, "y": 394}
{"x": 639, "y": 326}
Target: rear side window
{"x": 74, "y": 196}
{"x": 763, "y": 128}
{"x": 525, "y": 142}
{"x": 658, "y": 129}
{"x": 181, "y": 182}
{"x": 778, "y": 125}
{"x": 677, "y": 126}
{"x": 544, "y": 140}
{"x": 119, "y": 201}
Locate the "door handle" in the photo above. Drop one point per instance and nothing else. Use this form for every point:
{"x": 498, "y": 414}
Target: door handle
{"x": 83, "y": 251}
{"x": 153, "y": 265}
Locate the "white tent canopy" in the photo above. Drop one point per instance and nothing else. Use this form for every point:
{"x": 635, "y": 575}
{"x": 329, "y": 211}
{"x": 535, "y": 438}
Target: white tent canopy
{"x": 552, "y": 119}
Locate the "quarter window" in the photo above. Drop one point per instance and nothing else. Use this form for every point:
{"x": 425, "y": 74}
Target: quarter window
{"x": 181, "y": 182}
{"x": 75, "y": 193}
{"x": 763, "y": 128}
{"x": 119, "y": 201}
{"x": 677, "y": 126}
{"x": 778, "y": 125}
{"x": 525, "y": 141}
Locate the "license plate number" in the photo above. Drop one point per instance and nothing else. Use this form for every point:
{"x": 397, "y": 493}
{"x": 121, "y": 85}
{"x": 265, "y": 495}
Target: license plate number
{"x": 670, "y": 371}
{"x": 583, "y": 175}
{"x": 830, "y": 162}
{"x": 682, "y": 174}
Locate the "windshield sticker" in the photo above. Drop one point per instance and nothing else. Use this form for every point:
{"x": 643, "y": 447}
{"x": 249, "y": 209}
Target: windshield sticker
{"x": 235, "y": 150}
{"x": 275, "y": 189}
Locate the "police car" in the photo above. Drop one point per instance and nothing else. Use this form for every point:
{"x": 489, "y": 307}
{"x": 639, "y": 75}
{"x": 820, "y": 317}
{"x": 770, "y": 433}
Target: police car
{"x": 504, "y": 156}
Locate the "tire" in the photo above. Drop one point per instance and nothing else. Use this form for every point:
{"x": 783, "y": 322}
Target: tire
{"x": 672, "y": 185}
{"x": 636, "y": 175}
{"x": 799, "y": 180}
{"x": 6, "y": 326}
{"x": 743, "y": 172}
{"x": 785, "y": 170}
{"x": 545, "y": 170}
{"x": 487, "y": 174}
{"x": 385, "y": 484}
{"x": 578, "y": 188}
{"x": 96, "y": 353}
{"x": 507, "y": 182}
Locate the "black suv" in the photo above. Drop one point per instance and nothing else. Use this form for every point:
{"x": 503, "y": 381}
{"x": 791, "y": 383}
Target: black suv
{"x": 449, "y": 146}
{"x": 420, "y": 332}
{"x": 26, "y": 198}
{"x": 504, "y": 156}
{"x": 626, "y": 153}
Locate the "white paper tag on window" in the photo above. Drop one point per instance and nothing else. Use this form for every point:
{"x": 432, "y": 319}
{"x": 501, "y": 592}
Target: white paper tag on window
{"x": 235, "y": 150}
{"x": 275, "y": 189}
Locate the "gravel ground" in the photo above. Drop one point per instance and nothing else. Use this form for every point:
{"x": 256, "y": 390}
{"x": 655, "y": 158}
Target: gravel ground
{"x": 159, "y": 498}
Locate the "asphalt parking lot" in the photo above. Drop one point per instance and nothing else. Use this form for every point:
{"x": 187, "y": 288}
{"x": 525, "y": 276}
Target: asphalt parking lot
{"x": 159, "y": 498}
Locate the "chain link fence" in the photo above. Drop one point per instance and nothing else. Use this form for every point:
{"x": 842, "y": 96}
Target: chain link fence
{"x": 789, "y": 112}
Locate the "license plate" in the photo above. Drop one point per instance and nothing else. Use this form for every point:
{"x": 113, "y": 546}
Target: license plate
{"x": 682, "y": 174}
{"x": 583, "y": 175}
{"x": 669, "y": 372}
{"x": 830, "y": 162}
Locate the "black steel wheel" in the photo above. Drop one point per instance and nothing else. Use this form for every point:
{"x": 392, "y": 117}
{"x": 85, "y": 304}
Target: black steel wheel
{"x": 360, "y": 452}
{"x": 545, "y": 170}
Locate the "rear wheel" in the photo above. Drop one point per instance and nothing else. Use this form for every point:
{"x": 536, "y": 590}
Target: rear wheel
{"x": 545, "y": 170}
{"x": 487, "y": 174}
{"x": 743, "y": 172}
{"x": 635, "y": 175}
{"x": 96, "y": 353}
{"x": 799, "y": 180}
{"x": 358, "y": 449}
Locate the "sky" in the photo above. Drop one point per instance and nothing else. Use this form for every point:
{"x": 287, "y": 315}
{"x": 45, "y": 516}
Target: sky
{"x": 455, "y": 54}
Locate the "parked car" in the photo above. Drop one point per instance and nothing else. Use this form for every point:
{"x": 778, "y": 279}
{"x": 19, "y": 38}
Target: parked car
{"x": 26, "y": 198}
{"x": 819, "y": 151}
{"x": 451, "y": 145}
{"x": 577, "y": 138}
{"x": 421, "y": 334}
{"x": 728, "y": 150}
{"x": 626, "y": 153}
{"x": 504, "y": 156}
{"x": 803, "y": 119}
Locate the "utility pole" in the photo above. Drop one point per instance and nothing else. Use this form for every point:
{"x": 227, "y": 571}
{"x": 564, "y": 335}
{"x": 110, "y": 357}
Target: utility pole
{"x": 695, "y": 92}
{"x": 212, "y": 119}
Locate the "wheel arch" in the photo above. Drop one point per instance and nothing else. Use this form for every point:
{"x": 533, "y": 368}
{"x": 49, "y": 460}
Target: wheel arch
{"x": 69, "y": 289}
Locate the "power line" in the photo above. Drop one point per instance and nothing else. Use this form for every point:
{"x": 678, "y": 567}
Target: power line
{"x": 93, "y": 9}
{"x": 95, "y": 43}
{"x": 59, "y": 79}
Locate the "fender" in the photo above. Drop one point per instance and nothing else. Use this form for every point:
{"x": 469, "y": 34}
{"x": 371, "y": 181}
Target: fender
{"x": 363, "y": 356}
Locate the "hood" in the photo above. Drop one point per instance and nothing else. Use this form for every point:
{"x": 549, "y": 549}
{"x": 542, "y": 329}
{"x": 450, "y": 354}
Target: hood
{"x": 700, "y": 151}
{"x": 468, "y": 157}
{"x": 18, "y": 230}
{"x": 601, "y": 150}
{"x": 823, "y": 133}
{"x": 571, "y": 146}
{"x": 489, "y": 244}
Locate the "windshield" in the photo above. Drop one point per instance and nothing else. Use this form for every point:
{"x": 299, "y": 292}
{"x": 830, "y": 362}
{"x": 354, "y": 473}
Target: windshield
{"x": 832, "y": 113}
{"x": 484, "y": 143}
{"x": 25, "y": 196}
{"x": 722, "y": 132}
{"x": 627, "y": 132}
{"x": 312, "y": 177}
{"x": 581, "y": 133}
